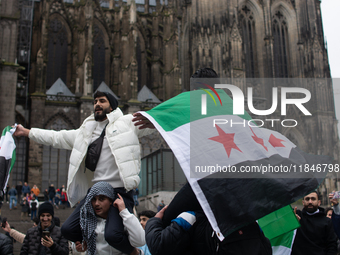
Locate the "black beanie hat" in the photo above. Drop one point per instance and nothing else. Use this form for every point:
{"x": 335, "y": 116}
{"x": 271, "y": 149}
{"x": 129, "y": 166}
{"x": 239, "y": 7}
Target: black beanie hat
{"x": 46, "y": 208}
{"x": 113, "y": 101}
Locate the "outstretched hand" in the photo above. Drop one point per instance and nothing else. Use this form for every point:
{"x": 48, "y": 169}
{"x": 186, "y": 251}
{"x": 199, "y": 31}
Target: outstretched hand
{"x": 160, "y": 214}
{"x": 21, "y": 131}
{"x": 142, "y": 121}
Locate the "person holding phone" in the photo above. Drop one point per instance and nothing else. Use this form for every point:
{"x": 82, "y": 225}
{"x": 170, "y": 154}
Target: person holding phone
{"x": 45, "y": 238}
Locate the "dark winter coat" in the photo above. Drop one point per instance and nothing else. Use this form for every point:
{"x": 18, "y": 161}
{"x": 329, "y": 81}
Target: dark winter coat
{"x": 32, "y": 242}
{"x": 19, "y": 189}
{"x": 316, "y": 235}
{"x": 199, "y": 239}
{"x": 51, "y": 192}
{"x": 6, "y": 245}
{"x": 25, "y": 206}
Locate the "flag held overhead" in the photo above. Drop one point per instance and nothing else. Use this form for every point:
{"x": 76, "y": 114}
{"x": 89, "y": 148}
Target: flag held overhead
{"x": 233, "y": 196}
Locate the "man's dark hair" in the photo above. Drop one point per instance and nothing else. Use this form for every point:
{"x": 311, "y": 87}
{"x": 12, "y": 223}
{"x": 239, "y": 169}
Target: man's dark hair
{"x": 112, "y": 100}
{"x": 205, "y": 72}
{"x": 317, "y": 194}
{"x": 147, "y": 213}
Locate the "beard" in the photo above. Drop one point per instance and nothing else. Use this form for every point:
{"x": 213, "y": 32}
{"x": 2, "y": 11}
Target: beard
{"x": 101, "y": 116}
{"x": 311, "y": 209}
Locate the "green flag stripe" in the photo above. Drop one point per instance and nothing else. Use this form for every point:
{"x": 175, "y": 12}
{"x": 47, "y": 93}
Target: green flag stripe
{"x": 187, "y": 107}
{"x": 12, "y": 161}
{"x": 285, "y": 240}
{"x": 5, "y": 130}
{"x": 279, "y": 222}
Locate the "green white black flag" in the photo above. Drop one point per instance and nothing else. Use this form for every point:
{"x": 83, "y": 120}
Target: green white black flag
{"x": 7, "y": 156}
{"x": 205, "y": 151}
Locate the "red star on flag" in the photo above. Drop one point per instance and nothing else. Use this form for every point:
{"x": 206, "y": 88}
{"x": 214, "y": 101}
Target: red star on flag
{"x": 276, "y": 142}
{"x": 258, "y": 139}
{"x": 226, "y": 139}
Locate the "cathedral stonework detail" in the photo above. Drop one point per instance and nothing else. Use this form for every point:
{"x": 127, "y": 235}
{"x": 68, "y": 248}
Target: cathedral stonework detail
{"x": 158, "y": 43}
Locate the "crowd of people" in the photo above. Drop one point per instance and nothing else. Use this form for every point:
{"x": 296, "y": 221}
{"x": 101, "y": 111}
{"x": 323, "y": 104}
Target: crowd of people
{"x": 107, "y": 147}
{"x": 27, "y": 198}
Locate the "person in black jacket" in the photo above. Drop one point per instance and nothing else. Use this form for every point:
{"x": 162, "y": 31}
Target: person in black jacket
{"x": 24, "y": 209}
{"x": 46, "y": 238}
{"x": 51, "y": 193}
{"x": 191, "y": 234}
{"x": 6, "y": 245}
{"x": 316, "y": 234}
{"x": 19, "y": 190}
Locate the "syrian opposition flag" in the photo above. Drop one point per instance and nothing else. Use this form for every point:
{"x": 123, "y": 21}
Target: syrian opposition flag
{"x": 7, "y": 156}
{"x": 238, "y": 171}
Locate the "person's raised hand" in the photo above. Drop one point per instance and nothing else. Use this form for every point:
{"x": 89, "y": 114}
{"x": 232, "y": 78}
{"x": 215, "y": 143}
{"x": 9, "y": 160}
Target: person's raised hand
{"x": 21, "y": 131}
{"x": 119, "y": 203}
{"x": 334, "y": 201}
{"x": 297, "y": 216}
{"x": 7, "y": 227}
{"x": 142, "y": 121}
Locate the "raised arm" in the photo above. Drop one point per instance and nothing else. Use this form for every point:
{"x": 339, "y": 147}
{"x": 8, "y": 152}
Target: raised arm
{"x": 135, "y": 230}
{"x": 174, "y": 239}
{"x": 141, "y": 121}
{"x": 21, "y": 131}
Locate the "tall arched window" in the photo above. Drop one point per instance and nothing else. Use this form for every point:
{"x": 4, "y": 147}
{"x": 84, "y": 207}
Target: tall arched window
{"x": 55, "y": 161}
{"x": 247, "y": 24}
{"x": 57, "y": 53}
{"x": 19, "y": 168}
{"x": 98, "y": 71}
{"x": 280, "y": 34}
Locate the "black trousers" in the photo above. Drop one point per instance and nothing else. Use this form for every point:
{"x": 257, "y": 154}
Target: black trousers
{"x": 114, "y": 228}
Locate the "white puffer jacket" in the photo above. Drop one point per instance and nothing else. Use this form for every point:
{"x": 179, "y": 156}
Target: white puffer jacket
{"x": 122, "y": 136}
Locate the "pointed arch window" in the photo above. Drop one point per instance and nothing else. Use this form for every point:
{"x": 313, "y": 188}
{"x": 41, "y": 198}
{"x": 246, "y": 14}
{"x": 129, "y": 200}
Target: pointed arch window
{"x": 98, "y": 70}
{"x": 55, "y": 161}
{"x": 57, "y": 53}
{"x": 247, "y": 23}
{"x": 280, "y": 35}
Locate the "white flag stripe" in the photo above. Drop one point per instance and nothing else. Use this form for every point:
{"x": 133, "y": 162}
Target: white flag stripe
{"x": 7, "y": 146}
{"x": 177, "y": 142}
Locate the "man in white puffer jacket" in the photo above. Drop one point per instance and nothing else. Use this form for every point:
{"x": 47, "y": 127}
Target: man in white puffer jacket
{"x": 118, "y": 161}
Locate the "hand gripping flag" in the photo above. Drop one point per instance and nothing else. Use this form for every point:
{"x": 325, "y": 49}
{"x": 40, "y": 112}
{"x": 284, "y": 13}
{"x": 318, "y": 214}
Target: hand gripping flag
{"x": 7, "y": 156}
{"x": 238, "y": 171}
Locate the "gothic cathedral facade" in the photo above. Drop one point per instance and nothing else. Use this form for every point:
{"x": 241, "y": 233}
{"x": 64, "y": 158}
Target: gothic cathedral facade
{"x": 127, "y": 44}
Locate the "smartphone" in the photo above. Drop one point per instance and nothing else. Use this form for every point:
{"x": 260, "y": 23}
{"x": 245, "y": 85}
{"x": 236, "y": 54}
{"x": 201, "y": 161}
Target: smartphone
{"x": 336, "y": 195}
{"x": 45, "y": 233}
{"x": 4, "y": 222}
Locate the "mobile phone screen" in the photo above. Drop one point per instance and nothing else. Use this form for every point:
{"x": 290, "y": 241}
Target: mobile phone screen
{"x": 45, "y": 233}
{"x": 4, "y": 222}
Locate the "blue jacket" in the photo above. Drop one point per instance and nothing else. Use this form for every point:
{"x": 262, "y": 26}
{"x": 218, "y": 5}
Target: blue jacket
{"x": 12, "y": 192}
{"x": 26, "y": 189}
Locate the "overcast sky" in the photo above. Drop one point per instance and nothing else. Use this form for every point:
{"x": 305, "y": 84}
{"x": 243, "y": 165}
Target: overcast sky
{"x": 330, "y": 16}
